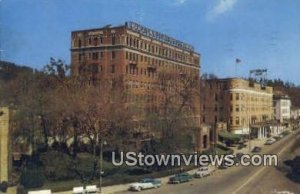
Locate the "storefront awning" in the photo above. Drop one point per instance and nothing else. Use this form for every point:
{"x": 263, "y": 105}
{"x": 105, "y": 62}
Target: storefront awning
{"x": 229, "y": 136}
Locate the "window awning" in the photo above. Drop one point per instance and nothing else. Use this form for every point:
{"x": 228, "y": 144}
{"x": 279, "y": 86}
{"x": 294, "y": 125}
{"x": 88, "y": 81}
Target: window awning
{"x": 229, "y": 136}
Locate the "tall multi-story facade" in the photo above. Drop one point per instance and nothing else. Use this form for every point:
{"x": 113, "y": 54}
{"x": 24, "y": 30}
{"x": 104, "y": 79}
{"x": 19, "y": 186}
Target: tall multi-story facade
{"x": 282, "y": 107}
{"x": 138, "y": 56}
{"x": 236, "y": 102}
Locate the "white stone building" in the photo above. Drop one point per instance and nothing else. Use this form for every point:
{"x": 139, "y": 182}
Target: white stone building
{"x": 295, "y": 113}
{"x": 282, "y": 108}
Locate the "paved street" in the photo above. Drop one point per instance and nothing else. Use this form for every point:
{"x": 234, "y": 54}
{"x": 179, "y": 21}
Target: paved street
{"x": 259, "y": 180}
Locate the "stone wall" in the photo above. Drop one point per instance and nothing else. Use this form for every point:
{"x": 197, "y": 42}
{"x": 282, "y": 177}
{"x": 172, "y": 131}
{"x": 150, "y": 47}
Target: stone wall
{"x": 5, "y": 146}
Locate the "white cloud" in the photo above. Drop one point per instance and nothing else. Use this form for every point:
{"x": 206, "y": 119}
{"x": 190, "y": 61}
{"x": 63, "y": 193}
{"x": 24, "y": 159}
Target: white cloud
{"x": 220, "y": 8}
{"x": 180, "y": 2}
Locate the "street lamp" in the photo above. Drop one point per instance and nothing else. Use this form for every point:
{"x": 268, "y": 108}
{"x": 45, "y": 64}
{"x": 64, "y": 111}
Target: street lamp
{"x": 102, "y": 142}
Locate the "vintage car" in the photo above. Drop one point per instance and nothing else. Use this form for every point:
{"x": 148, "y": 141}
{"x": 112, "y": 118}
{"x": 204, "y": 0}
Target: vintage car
{"x": 180, "y": 178}
{"x": 146, "y": 183}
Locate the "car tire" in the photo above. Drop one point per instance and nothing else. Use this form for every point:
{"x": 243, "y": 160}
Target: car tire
{"x": 139, "y": 188}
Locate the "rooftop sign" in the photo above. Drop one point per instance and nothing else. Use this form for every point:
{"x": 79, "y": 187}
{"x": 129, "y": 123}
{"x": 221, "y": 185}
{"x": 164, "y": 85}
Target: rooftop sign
{"x": 158, "y": 36}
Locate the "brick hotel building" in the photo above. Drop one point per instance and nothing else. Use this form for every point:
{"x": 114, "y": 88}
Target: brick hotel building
{"x": 240, "y": 104}
{"x": 137, "y": 55}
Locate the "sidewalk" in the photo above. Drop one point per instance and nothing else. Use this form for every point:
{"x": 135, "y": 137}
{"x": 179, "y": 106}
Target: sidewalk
{"x": 164, "y": 180}
{"x": 117, "y": 188}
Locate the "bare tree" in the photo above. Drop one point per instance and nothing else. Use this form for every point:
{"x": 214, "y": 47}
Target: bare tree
{"x": 175, "y": 117}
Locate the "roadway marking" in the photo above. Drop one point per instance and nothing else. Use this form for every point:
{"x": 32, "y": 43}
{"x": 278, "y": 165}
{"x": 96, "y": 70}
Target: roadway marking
{"x": 249, "y": 180}
{"x": 260, "y": 170}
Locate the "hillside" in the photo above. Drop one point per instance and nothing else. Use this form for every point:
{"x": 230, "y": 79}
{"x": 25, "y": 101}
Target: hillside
{"x": 288, "y": 88}
{"x": 10, "y": 70}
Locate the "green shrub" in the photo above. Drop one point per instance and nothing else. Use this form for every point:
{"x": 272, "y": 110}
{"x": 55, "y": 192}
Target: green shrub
{"x": 57, "y": 166}
{"x": 85, "y": 166}
{"x": 32, "y": 178}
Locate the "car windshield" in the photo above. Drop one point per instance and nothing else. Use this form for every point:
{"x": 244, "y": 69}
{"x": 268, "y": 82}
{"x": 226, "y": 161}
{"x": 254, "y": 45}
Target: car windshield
{"x": 145, "y": 181}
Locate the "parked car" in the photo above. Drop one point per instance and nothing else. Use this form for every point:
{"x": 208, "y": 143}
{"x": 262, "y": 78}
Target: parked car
{"x": 223, "y": 166}
{"x": 91, "y": 189}
{"x": 203, "y": 171}
{"x": 40, "y": 192}
{"x": 277, "y": 137}
{"x": 78, "y": 190}
{"x": 146, "y": 183}
{"x": 256, "y": 149}
{"x": 180, "y": 178}
{"x": 241, "y": 146}
{"x": 270, "y": 141}
{"x": 238, "y": 157}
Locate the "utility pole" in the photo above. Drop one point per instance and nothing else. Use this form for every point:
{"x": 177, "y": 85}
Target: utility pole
{"x": 101, "y": 158}
{"x": 101, "y": 142}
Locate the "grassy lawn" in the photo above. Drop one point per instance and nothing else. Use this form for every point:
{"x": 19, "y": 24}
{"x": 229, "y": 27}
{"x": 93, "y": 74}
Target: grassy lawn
{"x": 120, "y": 176}
{"x": 114, "y": 175}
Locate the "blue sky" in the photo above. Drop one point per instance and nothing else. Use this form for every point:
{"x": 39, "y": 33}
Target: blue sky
{"x": 262, "y": 33}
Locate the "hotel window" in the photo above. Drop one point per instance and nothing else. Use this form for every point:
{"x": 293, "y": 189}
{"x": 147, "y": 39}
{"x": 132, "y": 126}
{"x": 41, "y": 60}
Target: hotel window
{"x": 94, "y": 68}
{"x": 95, "y": 41}
{"x": 126, "y": 55}
{"x": 113, "y": 69}
{"x": 79, "y": 43}
{"x": 237, "y": 109}
{"x": 113, "y": 54}
{"x": 113, "y": 40}
{"x": 216, "y": 97}
{"x": 79, "y": 57}
{"x": 237, "y": 120}
{"x": 101, "y": 54}
{"x": 237, "y": 96}
{"x": 95, "y": 56}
